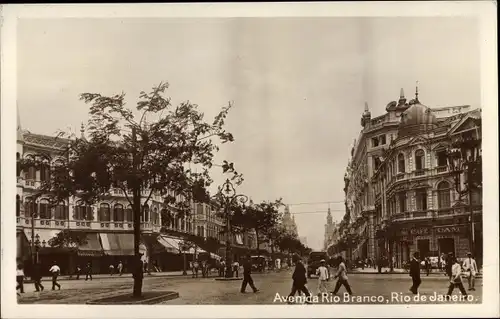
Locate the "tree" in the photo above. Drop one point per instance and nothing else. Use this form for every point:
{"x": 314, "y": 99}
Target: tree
{"x": 261, "y": 218}
{"x": 142, "y": 155}
{"x": 66, "y": 238}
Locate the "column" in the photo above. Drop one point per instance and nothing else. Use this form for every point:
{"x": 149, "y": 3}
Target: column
{"x": 371, "y": 236}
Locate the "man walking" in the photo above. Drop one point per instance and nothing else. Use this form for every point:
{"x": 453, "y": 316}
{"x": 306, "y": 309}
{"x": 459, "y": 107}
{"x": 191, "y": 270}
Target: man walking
{"x": 247, "y": 276}
{"x": 55, "y": 271}
{"x": 342, "y": 277}
{"x": 415, "y": 273}
{"x": 88, "y": 271}
{"x": 37, "y": 277}
{"x": 236, "y": 268}
{"x": 299, "y": 278}
{"x": 456, "y": 278}
{"x": 111, "y": 269}
{"x": 120, "y": 268}
{"x": 427, "y": 266}
{"x": 470, "y": 266}
{"x": 323, "y": 276}
{"x": 78, "y": 271}
{"x": 20, "y": 278}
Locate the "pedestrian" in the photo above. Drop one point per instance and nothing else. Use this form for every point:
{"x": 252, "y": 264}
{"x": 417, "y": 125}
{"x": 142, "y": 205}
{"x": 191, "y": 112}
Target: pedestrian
{"x": 427, "y": 266}
{"x": 37, "y": 277}
{"x": 78, "y": 271}
{"x": 323, "y": 276}
{"x": 120, "y": 268}
{"x": 470, "y": 266}
{"x": 380, "y": 265}
{"x": 20, "y": 278}
{"x": 456, "y": 278}
{"x": 204, "y": 268}
{"x": 222, "y": 268}
{"x": 278, "y": 264}
{"x": 449, "y": 264}
{"x": 415, "y": 273}
{"x": 55, "y": 271}
{"x": 299, "y": 278}
{"x": 342, "y": 277}
{"x": 88, "y": 271}
{"x": 111, "y": 269}
{"x": 236, "y": 268}
{"x": 196, "y": 266}
{"x": 247, "y": 276}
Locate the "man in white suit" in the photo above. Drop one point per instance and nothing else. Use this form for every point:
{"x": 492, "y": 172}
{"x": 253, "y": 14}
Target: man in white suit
{"x": 470, "y": 267}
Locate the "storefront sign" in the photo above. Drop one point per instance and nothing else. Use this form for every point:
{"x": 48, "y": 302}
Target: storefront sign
{"x": 420, "y": 231}
{"x": 450, "y": 229}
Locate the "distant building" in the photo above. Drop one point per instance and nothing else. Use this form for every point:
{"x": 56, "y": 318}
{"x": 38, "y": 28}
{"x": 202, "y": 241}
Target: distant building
{"x": 329, "y": 227}
{"x": 289, "y": 222}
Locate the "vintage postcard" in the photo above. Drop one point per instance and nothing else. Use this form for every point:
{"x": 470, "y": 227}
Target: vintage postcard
{"x": 290, "y": 158}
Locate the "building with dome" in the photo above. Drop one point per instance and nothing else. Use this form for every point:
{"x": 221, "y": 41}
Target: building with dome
{"x": 400, "y": 192}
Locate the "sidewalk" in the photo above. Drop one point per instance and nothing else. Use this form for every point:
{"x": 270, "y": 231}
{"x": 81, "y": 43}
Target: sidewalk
{"x": 107, "y": 276}
{"x": 386, "y": 270}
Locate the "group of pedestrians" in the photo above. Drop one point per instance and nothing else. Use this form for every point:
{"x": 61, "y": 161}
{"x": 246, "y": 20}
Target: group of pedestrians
{"x": 454, "y": 271}
{"x": 36, "y": 276}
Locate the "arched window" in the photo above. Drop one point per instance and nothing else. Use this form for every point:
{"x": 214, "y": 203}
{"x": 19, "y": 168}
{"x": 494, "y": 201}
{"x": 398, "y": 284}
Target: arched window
{"x": 45, "y": 171}
{"x": 18, "y": 206}
{"x": 29, "y": 208}
{"x": 82, "y": 212}
{"x": 60, "y": 211}
{"x": 419, "y": 160}
{"x": 118, "y": 213}
{"x": 129, "y": 215}
{"x": 444, "y": 195}
{"x": 401, "y": 163}
{"x": 156, "y": 217}
{"x": 421, "y": 199}
{"x": 104, "y": 212}
{"x": 402, "y": 202}
{"x": 165, "y": 220}
{"x": 145, "y": 213}
{"x": 18, "y": 164}
{"x": 44, "y": 209}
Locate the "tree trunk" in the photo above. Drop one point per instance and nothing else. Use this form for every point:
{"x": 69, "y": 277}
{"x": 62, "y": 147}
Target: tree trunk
{"x": 138, "y": 273}
{"x": 257, "y": 239}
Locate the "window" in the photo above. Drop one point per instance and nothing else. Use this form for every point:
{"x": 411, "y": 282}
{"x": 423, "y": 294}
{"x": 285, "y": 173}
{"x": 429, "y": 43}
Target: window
{"x": 376, "y": 162}
{"x": 30, "y": 174}
{"x": 45, "y": 209}
{"x": 129, "y": 215}
{"x": 444, "y": 195}
{"x": 165, "y": 220}
{"x": 442, "y": 159}
{"x": 119, "y": 213}
{"x": 44, "y": 172}
{"x": 421, "y": 197}
{"x": 82, "y": 212}
{"x": 419, "y": 160}
{"x": 199, "y": 209}
{"x": 382, "y": 139}
{"x": 476, "y": 197}
{"x": 401, "y": 163}
{"x": 104, "y": 213}
{"x": 28, "y": 207}
{"x": 18, "y": 206}
{"x": 60, "y": 212}
{"x": 145, "y": 213}
{"x": 374, "y": 142}
{"x": 155, "y": 216}
{"x": 402, "y": 202}
{"x": 18, "y": 165}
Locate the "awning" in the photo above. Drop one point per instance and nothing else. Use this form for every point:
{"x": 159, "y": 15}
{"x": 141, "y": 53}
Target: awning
{"x": 44, "y": 235}
{"x": 174, "y": 245}
{"x": 152, "y": 241}
{"x": 23, "y": 246}
{"x": 117, "y": 244}
{"x": 92, "y": 247}
{"x": 239, "y": 239}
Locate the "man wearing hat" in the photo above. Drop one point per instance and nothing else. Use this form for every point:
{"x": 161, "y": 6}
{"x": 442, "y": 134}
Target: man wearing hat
{"x": 470, "y": 266}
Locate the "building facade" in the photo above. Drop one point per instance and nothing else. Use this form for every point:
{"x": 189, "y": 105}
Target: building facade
{"x": 107, "y": 225}
{"x": 288, "y": 222}
{"x": 400, "y": 190}
{"x": 329, "y": 230}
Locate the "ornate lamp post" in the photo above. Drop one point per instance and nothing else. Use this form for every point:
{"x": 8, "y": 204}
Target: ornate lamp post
{"x": 35, "y": 247}
{"x": 464, "y": 163}
{"x": 183, "y": 246}
{"x": 227, "y": 197}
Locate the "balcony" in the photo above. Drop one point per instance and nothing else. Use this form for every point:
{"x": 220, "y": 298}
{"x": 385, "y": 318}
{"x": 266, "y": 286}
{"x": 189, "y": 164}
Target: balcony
{"x": 441, "y": 169}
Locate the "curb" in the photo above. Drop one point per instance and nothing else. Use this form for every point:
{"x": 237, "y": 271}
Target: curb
{"x": 228, "y": 279}
{"x": 401, "y": 273}
{"x": 169, "y": 295}
{"x": 29, "y": 281}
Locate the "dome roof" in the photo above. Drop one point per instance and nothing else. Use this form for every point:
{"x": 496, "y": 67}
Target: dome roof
{"x": 416, "y": 119}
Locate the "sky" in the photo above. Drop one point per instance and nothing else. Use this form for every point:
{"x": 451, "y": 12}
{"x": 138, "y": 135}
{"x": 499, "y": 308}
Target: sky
{"x": 298, "y": 86}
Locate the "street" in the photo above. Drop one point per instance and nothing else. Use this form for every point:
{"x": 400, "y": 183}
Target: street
{"x": 380, "y": 288}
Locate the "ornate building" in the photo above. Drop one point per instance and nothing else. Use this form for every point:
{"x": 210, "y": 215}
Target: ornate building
{"x": 289, "y": 222}
{"x": 400, "y": 192}
{"x": 107, "y": 225}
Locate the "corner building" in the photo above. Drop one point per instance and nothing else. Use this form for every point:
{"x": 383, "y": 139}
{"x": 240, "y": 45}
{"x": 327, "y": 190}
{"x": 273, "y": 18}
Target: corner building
{"x": 399, "y": 189}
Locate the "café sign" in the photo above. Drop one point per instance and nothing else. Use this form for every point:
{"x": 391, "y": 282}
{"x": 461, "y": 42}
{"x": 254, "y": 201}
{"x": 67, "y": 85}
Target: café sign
{"x": 451, "y": 229}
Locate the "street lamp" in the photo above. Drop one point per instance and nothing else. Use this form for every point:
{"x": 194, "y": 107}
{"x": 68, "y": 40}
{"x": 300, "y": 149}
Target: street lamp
{"x": 184, "y": 247}
{"x": 35, "y": 244}
{"x": 227, "y": 197}
{"x": 464, "y": 164}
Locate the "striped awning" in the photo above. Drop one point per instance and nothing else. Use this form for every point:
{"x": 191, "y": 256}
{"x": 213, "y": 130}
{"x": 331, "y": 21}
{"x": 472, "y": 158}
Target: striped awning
{"x": 92, "y": 247}
{"x": 174, "y": 245}
{"x": 117, "y": 244}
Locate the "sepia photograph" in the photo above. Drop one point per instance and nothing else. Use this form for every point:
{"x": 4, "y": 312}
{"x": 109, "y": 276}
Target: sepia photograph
{"x": 226, "y": 159}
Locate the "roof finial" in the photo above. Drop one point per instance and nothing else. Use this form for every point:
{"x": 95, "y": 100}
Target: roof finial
{"x": 402, "y": 93}
{"x": 366, "y": 107}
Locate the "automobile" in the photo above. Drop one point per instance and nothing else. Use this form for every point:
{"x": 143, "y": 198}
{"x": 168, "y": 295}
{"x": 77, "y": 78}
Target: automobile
{"x": 314, "y": 260}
